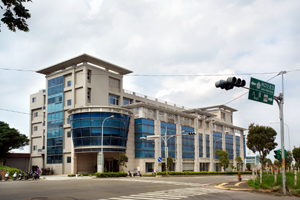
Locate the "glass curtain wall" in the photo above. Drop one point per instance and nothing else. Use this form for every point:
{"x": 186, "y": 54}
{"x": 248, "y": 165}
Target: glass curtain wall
{"x": 237, "y": 142}
{"x": 201, "y": 145}
{"x": 217, "y": 143}
{"x": 188, "y": 144}
{"x": 55, "y": 120}
{"x": 87, "y": 129}
{"x": 229, "y": 145}
{"x": 207, "y": 147}
{"x": 144, "y": 148}
{"x": 171, "y": 130}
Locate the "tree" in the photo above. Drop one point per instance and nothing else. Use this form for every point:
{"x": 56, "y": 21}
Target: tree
{"x": 223, "y": 158}
{"x": 10, "y": 138}
{"x": 277, "y": 163}
{"x": 296, "y": 155}
{"x": 123, "y": 159}
{"x": 15, "y": 14}
{"x": 248, "y": 165}
{"x": 239, "y": 160}
{"x": 261, "y": 139}
{"x": 169, "y": 162}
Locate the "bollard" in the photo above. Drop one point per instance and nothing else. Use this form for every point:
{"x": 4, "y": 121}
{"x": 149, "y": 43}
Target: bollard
{"x": 276, "y": 171}
{"x": 239, "y": 176}
{"x": 295, "y": 179}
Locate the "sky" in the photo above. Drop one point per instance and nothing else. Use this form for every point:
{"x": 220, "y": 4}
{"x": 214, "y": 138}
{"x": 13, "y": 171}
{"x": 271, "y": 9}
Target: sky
{"x": 183, "y": 47}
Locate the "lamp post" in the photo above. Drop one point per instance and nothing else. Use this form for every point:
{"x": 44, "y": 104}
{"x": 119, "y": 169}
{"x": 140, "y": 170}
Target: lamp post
{"x": 272, "y": 122}
{"x": 102, "y": 154}
{"x": 165, "y": 139}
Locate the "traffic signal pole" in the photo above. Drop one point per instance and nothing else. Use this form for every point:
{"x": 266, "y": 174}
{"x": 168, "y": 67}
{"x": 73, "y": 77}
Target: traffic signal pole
{"x": 280, "y": 102}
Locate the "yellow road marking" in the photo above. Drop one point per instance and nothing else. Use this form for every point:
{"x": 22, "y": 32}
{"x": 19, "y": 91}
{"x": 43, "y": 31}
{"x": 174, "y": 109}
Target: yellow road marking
{"x": 237, "y": 184}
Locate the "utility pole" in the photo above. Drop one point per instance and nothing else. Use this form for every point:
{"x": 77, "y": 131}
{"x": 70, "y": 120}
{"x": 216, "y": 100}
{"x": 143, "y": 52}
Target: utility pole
{"x": 280, "y": 101}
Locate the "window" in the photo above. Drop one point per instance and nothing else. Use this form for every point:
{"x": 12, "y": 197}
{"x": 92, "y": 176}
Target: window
{"x": 89, "y": 95}
{"x": 126, "y": 101}
{"x": 68, "y": 120}
{"x": 34, "y": 148}
{"x": 149, "y": 167}
{"x": 69, "y": 134}
{"x": 33, "y": 99}
{"x": 88, "y": 76}
{"x": 114, "y": 100}
{"x": 68, "y": 159}
{"x": 114, "y": 82}
{"x": 69, "y": 83}
{"x": 69, "y": 102}
{"x": 35, "y": 128}
{"x": 35, "y": 114}
{"x": 223, "y": 115}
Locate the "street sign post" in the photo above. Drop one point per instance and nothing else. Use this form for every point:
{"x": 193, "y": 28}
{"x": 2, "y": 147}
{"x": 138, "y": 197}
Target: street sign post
{"x": 261, "y": 91}
{"x": 159, "y": 159}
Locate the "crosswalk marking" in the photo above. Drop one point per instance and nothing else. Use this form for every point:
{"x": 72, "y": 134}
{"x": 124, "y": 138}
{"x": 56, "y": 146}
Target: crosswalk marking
{"x": 161, "y": 182}
{"x": 180, "y": 193}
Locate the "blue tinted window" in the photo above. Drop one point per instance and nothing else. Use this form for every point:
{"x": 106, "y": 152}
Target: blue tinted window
{"x": 126, "y": 101}
{"x": 69, "y": 83}
{"x": 69, "y": 102}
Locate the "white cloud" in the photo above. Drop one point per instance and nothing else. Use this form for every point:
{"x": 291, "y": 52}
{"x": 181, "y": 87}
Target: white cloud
{"x": 161, "y": 38}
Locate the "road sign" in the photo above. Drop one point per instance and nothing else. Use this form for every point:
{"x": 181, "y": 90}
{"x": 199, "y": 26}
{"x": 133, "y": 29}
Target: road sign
{"x": 261, "y": 91}
{"x": 159, "y": 159}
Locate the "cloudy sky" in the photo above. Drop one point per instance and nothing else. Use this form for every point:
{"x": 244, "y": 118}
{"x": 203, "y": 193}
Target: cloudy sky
{"x": 197, "y": 42}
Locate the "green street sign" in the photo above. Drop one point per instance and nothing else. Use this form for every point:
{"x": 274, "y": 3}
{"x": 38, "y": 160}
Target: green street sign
{"x": 261, "y": 91}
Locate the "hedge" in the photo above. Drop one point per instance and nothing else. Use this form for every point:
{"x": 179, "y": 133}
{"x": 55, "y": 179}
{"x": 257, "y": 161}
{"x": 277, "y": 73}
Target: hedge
{"x": 111, "y": 174}
{"x": 201, "y": 173}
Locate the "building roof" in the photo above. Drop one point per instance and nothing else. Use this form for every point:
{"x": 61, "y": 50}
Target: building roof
{"x": 80, "y": 59}
{"x": 218, "y": 107}
{"x": 18, "y": 155}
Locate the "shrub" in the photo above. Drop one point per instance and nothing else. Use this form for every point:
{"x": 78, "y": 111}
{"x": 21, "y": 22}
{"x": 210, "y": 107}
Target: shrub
{"x": 111, "y": 174}
{"x": 200, "y": 173}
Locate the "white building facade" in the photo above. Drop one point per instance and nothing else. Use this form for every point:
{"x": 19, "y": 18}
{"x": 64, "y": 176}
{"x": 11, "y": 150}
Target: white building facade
{"x": 67, "y": 117}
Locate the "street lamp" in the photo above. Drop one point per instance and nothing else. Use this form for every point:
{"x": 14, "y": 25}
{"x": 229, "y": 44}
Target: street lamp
{"x": 102, "y": 154}
{"x": 165, "y": 138}
{"x": 272, "y": 122}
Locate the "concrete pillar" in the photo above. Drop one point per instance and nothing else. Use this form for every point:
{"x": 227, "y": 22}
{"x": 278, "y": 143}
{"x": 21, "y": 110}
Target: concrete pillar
{"x": 234, "y": 149}
{"x": 211, "y": 145}
{"x": 242, "y": 149}
{"x": 157, "y": 142}
{"x": 196, "y": 145}
{"x": 178, "y": 146}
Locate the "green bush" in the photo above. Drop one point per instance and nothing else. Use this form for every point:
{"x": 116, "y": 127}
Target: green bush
{"x": 149, "y": 175}
{"x": 71, "y": 175}
{"x": 11, "y": 170}
{"x": 200, "y": 173}
{"x": 111, "y": 174}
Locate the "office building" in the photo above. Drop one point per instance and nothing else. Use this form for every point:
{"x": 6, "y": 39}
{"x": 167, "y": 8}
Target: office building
{"x": 81, "y": 95}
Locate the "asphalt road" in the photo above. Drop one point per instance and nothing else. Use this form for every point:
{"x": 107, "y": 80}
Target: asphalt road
{"x": 89, "y": 188}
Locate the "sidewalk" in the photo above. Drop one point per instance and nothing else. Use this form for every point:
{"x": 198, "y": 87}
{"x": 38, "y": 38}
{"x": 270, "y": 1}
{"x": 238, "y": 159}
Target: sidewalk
{"x": 64, "y": 177}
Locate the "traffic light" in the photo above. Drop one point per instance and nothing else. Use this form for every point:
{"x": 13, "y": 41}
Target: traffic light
{"x": 192, "y": 133}
{"x": 277, "y": 154}
{"x": 230, "y": 83}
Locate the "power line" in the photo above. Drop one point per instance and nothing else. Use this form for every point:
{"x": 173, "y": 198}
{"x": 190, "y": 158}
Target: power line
{"x": 171, "y": 75}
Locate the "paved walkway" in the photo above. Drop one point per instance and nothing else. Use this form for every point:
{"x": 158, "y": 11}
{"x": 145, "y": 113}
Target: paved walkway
{"x": 65, "y": 177}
